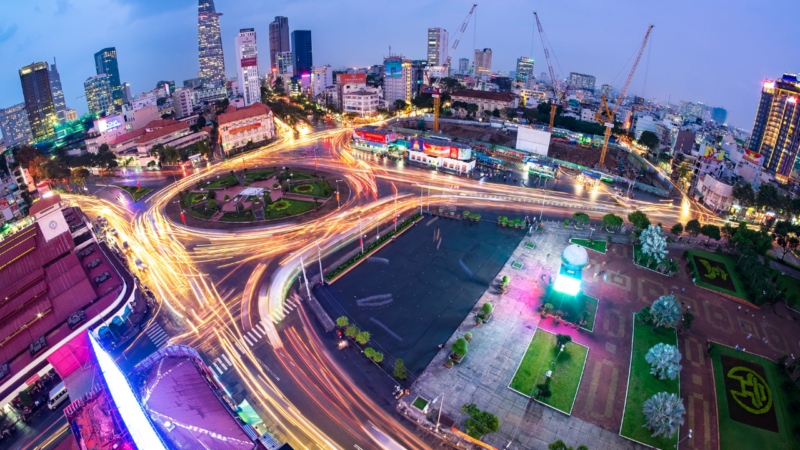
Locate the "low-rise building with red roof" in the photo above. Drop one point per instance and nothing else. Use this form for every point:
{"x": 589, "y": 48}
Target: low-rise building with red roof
{"x": 238, "y": 126}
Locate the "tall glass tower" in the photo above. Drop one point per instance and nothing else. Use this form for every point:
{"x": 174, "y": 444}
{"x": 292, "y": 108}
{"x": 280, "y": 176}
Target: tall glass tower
{"x": 59, "y": 106}
{"x": 776, "y": 131}
{"x": 301, "y": 50}
{"x": 38, "y": 100}
{"x": 105, "y": 62}
{"x": 209, "y": 44}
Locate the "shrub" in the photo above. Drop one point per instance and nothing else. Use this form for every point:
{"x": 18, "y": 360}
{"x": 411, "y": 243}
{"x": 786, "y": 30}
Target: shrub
{"x": 468, "y": 335}
{"x": 449, "y": 363}
{"x": 479, "y": 422}
{"x": 26, "y": 399}
{"x": 543, "y": 391}
{"x": 246, "y": 183}
{"x": 566, "y": 222}
{"x": 400, "y": 370}
{"x": 506, "y": 280}
{"x": 466, "y": 214}
{"x": 363, "y": 337}
{"x": 342, "y": 322}
{"x": 227, "y": 197}
{"x": 212, "y": 204}
{"x": 369, "y": 351}
{"x": 487, "y": 309}
{"x": 644, "y": 315}
{"x": 688, "y": 318}
{"x": 352, "y": 331}
{"x": 275, "y": 185}
{"x": 562, "y": 339}
{"x": 377, "y": 357}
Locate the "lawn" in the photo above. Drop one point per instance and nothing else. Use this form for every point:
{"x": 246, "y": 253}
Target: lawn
{"x": 233, "y": 216}
{"x": 222, "y": 182}
{"x": 719, "y": 275}
{"x": 573, "y": 306}
{"x": 135, "y": 192}
{"x": 258, "y": 175}
{"x": 790, "y": 287}
{"x": 567, "y": 372}
{"x": 193, "y": 199}
{"x": 420, "y": 403}
{"x": 301, "y": 176}
{"x": 201, "y": 212}
{"x": 598, "y": 246}
{"x": 285, "y": 208}
{"x": 637, "y": 253}
{"x": 642, "y": 385}
{"x": 765, "y": 425}
{"x": 319, "y": 189}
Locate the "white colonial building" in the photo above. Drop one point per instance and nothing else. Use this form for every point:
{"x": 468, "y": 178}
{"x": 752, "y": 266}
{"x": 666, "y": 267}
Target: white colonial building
{"x": 238, "y": 126}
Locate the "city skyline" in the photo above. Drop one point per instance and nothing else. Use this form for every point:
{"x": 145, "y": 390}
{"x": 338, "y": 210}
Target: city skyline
{"x": 678, "y": 71}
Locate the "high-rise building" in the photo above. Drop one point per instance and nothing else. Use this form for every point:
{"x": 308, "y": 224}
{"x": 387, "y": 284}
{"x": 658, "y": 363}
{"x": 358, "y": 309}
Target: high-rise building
{"x": 285, "y": 62}
{"x": 606, "y": 90}
{"x": 126, "y": 93}
{"x": 437, "y": 47}
{"x": 463, "y": 66}
{"x": 524, "y": 70}
{"x": 483, "y": 62}
{"x": 689, "y": 109}
{"x": 321, "y": 79}
{"x": 247, "y": 66}
{"x": 182, "y": 102}
{"x": 301, "y": 50}
{"x": 278, "y": 40}
{"x": 38, "y": 100}
{"x": 581, "y": 81}
{"x": 98, "y": 94}
{"x": 59, "y": 106}
{"x": 105, "y": 61}
{"x": 209, "y": 44}
{"x": 776, "y": 131}
{"x": 397, "y": 79}
{"x": 14, "y": 126}
{"x": 719, "y": 115}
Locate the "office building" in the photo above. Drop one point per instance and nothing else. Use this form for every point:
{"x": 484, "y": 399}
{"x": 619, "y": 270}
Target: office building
{"x": 35, "y": 81}
{"x": 397, "y": 79}
{"x": 777, "y": 124}
{"x": 98, "y": 94}
{"x": 301, "y": 50}
{"x": 321, "y": 78}
{"x": 105, "y": 61}
{"x": 182, "y": 103}
{"x": 349, "y": 82}
{"x": 437, "y": 46}
{"x": 606, "y": 90}
{"x": 463, "y": 66}
{"x": 581, "y": 81}
{"x": 126, "y": 93}
{"x": 247, "y": 66}
{"x": 285, "y": 64}
{"x": 208, "y": 95}
{"x": 483, "y": 63}
{"x": 209, "y": 44}
{"x": 689, "y": 109}
{"x": 363, "y": 102}
{"x": 719, "y": 115}
{"x": 59, "y": 106}
{"x": 524, "y": 70}
{"x": 278, "y": 40}
{"x": 15, "y": 127}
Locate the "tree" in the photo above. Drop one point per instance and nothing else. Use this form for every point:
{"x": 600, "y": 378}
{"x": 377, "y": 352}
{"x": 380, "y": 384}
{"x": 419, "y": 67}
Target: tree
{"x": 745, "y": 195}
{"x": 676, "y": 230}
{"x": 400, "y": 369}
{"x": 639, "y": 220}
{"x": 560, "y": 445}
{"x": 342, "y": 322}
{"x": 201, "y": 122}
{"x": 664, "y": 413}
{"x": 612, "y": 220}
{"x": 758, "y": 241}
{"x": 666, "y": 311}
{"x": 212, "y": 204}
{"x": 664, "y": 360}
{"x": 510, "y": 113}
{"x": 460, "y": 347}
{"x": 664, "y": 158}
{"x": 563, "y": 339}
{"x": 479, "y": 422}
{"x": 649, "y": 140}
{"x": 693, "y": 227}
{"x": 711, "y": 232}
{"x": 581, "y": 217}
{"x": 79, "y": 176}
{"x": 352, "y": 331}
{"x": 363, "y": 337}
{"x": 543, "y": 391}
{"x": 496, "y": 113}
{"x": 400, "y": 104}
{"x": 787, "y": 244}
{"x": 768, "y": 196}
{"x": 688, "y": 318}
{"x": 654, "y": 244}
{"x": 26, "y": 154}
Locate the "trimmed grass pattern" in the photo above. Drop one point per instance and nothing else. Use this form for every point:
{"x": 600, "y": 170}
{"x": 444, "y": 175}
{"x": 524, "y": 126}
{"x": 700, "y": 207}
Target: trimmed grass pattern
{"x": 258, "y": 175}
{"x": 574, "y": 306}
{"x": 598, "y": 246}
{"x": 295, "y": 207}
{"x": 222, "y": 182}
{"x": 420, "y": 403}
{"x": 201, "y": 212}
{"x": 566, "y": 373}
{"x": 318, "y": 189}
{"x": 790, "y": 287}
{"x": 193, "y": 199}
{"x": 301, "y": 176}
{"x": 733, "y": 434}
{"x": 135, "y": 192}
{"x": 729, "y": 265}
{"x": 233, "y": 216}
{"x": 642, "y": 385}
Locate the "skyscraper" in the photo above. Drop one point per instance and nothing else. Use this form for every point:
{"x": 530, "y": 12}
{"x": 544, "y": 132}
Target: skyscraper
{"x": 59, "y": 106}
{"x": 301, "y": 50}
{"x": 463, "y": 66}
{"x": 98, "y": 94}
{"x": 285, "y": 61}
{"x": 278, "y": 40}
{"x": 209, "y": 44}
{"x": 247, "y": 66}
{"x": 38, "y": 100}
{"x": 105, "y": 61}
{"x": 524, "y": 70}
{"x": 397, "y": 79}
{"x": 581, "y": 81}
{"x": 14, "y": 126}
{"x": 719, "y": 115}
{"x": 483, "y": 62}
{"x": 777, "y": 126}
{"x": 437, "y": 46}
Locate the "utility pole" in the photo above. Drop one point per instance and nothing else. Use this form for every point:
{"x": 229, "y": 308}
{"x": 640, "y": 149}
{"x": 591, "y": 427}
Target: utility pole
{"x": 360, "y": 235}
{"x": 421, "y": 199}
{"x": 303, "y": 266}
{"x": 319, "y": 256}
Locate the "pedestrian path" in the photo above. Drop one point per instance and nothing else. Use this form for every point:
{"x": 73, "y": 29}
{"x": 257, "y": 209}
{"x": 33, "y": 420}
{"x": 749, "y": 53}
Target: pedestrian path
{"x": 249, "y": 339}
{"x": 291, "y": 303}
{"x": 157, "y": 335}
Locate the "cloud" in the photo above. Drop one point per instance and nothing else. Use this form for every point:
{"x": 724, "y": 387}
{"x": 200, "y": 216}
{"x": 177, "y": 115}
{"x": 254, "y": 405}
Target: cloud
{"x": 8, "y": 33}
{"x": 63, "y": 7}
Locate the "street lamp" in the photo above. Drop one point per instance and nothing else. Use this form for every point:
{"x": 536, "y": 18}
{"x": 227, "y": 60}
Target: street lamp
{"x": 319, "y": 256}
{"x": 543, "y": 199}
{"x": 561, "y": 349}
{"x": 360, "y": 235}
{"x": 688, "y": 436}
{"x": 591, "y": 232}
{"x": 338, "y": 205}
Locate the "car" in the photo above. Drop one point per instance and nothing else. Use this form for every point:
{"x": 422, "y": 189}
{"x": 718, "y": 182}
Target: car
{"x": 102, "y": 278}
{"x": 86, "y": 252}
{"x": 94, "y": 264}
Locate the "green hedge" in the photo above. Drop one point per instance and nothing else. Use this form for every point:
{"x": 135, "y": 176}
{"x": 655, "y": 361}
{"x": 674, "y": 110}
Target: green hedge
{"x": 371, "y": 247}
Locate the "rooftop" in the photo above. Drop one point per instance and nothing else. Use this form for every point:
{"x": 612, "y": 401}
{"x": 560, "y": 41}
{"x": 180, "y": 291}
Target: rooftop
{"x": 381, "y": 131}
{"x": 44, "y": 203}
{"x": 159, "y": 123}
{"x": 131, "y": 136}
{"x": 164, "y": 131}
{"x": 233, "y": 114}
{"x": 442, "y": 142}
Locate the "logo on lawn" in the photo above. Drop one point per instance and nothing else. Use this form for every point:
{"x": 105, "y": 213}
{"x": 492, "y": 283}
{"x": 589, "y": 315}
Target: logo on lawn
{"x": 754, "y": 394}
{"x": 713, "y": 272}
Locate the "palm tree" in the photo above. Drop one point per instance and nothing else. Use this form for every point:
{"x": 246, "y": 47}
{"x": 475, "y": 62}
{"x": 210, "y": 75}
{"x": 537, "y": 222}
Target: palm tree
{"x": 664, "y": 413}
{"x": 665, "y": 361}
{"x": 666, "y": 311}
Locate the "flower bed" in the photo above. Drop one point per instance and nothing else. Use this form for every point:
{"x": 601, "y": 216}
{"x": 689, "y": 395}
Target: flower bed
{"x": 233, "y": 216}
{"x": 135, "y": 192}
{"x": 285, "y": 208}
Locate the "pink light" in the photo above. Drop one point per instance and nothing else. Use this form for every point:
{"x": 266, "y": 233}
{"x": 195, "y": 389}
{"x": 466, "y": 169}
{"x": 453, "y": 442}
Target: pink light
{"x": 306, "y": 75}
{"x": 792, "y": 100}
{"x": 769, "y": 85}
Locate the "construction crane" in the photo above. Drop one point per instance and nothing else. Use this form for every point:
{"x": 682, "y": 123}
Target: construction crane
{"x": 608, "y": 120}
{"x": 558, "y": 98}
{"x": 434, "y": 90}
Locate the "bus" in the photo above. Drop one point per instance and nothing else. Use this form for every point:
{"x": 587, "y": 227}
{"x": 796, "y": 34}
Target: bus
{"x": 543, "y": 170}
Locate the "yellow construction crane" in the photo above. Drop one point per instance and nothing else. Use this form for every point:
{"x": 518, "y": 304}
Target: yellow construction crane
{"x": 434, "y": 87}
{"x": 608, "y": 120}
{"x": 558, "y": 98}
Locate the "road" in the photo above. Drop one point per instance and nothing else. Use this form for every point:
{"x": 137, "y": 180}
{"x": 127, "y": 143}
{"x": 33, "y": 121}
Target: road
{"x": 225, "y": 291}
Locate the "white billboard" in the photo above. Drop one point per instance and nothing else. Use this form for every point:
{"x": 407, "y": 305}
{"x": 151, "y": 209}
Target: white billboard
{"x": 533, "y": 141}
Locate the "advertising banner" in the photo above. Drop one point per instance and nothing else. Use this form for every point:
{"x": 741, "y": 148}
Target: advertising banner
{"x": 394, "y": 69}
{"x": 440, "y": 150}
{"x": 372, "y": 137}
{"x": 248, "y": 62}
{"x": 110, "y": 123}
{"x": 3, "y": 203}
{"x": 346, "y": 78}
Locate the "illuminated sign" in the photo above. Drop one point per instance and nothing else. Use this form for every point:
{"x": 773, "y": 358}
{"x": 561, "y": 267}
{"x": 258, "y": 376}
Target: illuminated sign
{"x": 375, "y": 137}
{"x": 109, "y": 123}
{"x": 769, "y": 85}
{"x": 249, "y": 62}
{"x": 567, "y": 285}
{"x": 393, "y": 69}
{"x": 138, "y": 425}
{"x": 344, "y": 78}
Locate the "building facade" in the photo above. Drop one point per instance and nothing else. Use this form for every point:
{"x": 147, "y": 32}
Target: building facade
{"x": 182, "y": 102}
{"x": 581, "y": 81}
{"x": 208, "y": 95}
{"x": 238, "y": 126}
{"x": 524, "y": 70}
{"x": 348, "y": 82}
{"x": 397, "y": 79}
{"x": 105, "y": 61}
{"x": 278, "y": 40}
{"x": 777, "y": 124}
{"x": 719, "y": 115}
{"x": 59, "y": 106}
{"x": 35, "y": 81}
{"x": 247, "y": 66}
{"x": 483, "y": 63}
{"x": 321, "y": 78}
{"x": 285, "y": 64}
{"x": 301, "y": 50}
{"x": 15, "y": 127}
{"x": 126, "y": 93}
{"x": 209, "y": 44}
{"x": 463, "y": 66}
{"x": 362, "y": 102}
{"x": 98, "y": 94}
{"x": 486, "y": 100}
{"x": 437, "y": 46}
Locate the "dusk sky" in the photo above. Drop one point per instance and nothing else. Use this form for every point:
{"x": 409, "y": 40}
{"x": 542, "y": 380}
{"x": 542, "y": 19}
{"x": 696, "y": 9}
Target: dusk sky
{"x": 713, "y": 52}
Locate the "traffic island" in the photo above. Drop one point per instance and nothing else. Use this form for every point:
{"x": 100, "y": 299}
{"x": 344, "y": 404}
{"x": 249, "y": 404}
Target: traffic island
{"x": 135, "y": 192}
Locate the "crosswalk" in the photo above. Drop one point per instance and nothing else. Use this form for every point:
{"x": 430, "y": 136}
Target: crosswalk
{"x": 249, "y": 339}
{"x": 291, "y": 303}
{"x": 157, "y": 335}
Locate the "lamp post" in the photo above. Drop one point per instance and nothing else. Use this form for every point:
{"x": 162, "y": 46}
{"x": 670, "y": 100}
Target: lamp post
{"x": 305, "y": 278}
{"x": 563, "y": 346}
{"x": 319, "y": 257}
{"x": 360, "y": 235}
{"x": 688, "y": 436}
{"x": 543, "y": 199}
{"x": 590, "y": 233}
{"x": 338, "y": 205}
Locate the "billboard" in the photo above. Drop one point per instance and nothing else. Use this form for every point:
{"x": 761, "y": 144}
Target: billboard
{"x": 533, "y": 141}
{"x": 248, "y": 62}
{"x": 345, "y": 78}
{"x": 372, "y": 137}
{"x": 752, "y": 157}
{"x": 110, "y": 123}
{"x": 443, "y": 150}
{"x": 393, "y": 68}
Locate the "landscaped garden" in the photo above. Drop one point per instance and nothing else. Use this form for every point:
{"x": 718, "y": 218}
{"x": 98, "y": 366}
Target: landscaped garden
{"x": 319, "y": 189}
{"x": 201, "y": 211}
{"x": 716, "y": 272}
{"x": 790, "y": 287}
{"x": 192, "y": 199}
{"x": 234, "y": 216}
{"x": 287, "y": 207}
{"x": 558, "y": 390}
{"x": 134, "y": 191}
{"x": 221, "y": 182}
{"x": 755, "y": 397}
{"x": 258, "y": 175}
{"x": 598, "y": 246}
{"x": 578, "y": 309}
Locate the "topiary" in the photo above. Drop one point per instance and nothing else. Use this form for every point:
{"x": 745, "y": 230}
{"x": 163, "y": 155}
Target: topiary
{"x": 342, "y": 322}
{"x": 227, "y": 197}
{"x": 486, "y": 309}
{"x": 352, "y": 331}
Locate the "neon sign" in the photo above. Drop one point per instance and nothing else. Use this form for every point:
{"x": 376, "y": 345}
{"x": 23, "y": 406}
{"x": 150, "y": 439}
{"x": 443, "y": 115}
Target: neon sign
{"x": 109, "y": 124}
